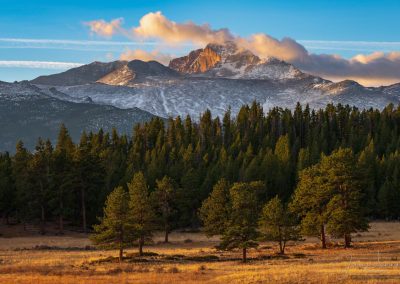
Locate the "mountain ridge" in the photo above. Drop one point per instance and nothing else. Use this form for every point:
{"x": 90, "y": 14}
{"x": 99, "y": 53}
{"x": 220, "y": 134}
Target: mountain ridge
{"x": 215, "y": 77}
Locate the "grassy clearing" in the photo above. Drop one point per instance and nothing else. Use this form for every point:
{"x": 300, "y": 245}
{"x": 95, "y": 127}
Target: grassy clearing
{"x": 375, "y": 258}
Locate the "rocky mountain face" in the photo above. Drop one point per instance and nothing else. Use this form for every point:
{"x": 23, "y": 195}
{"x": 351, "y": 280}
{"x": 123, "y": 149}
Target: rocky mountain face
{"x": 198, "y": 61}
{"x": 80, "y": 75}
{"x": 230, "y": 61}
{"x": 27, "y": 113}
{"x": 216, "y": 77}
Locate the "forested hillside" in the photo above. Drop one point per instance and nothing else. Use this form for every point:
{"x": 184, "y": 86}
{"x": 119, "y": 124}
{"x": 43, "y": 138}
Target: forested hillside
{"x": 68, "y": 183}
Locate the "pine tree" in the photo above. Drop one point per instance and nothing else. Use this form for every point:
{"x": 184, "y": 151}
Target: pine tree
{"x": 328, "y": 196}
{"x": 215, "y": 210}
{"x": 344, "y": 211}
{"x": 241, "y": 229}
{"x": 277, "y": 224}
{"x": 87, "y": 179}
{"x": 62, "y": 168}
{"x": 164, "y": 197}
{"x": 21, "y": 176}
{"x": 7, "y": 187}
{"x": 388, "y": 200}
{"x": 284, "y": 174}
{"x": 368, "y": 169}
{"x": 115, "y": 227}
{"x": 309, "y": 201}
{"x": 38, "y": 195}
{"x": 141, "y": 213}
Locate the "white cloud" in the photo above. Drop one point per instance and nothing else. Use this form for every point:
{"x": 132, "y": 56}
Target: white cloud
{"x": 73, "y": 42}
{"x": 38, "y": 64}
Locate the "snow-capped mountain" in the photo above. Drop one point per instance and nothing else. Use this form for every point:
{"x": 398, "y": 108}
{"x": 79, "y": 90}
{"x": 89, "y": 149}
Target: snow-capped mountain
{"x": 230, "y": 61}
{"x": 215, "y": 78}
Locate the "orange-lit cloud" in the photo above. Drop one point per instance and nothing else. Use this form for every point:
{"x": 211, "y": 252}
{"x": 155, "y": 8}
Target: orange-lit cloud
{"x": 157, "y": 26}
{"x": 372, "y": 69}
{"x": 146, "y": 56}
{"x": 105, "y": 29}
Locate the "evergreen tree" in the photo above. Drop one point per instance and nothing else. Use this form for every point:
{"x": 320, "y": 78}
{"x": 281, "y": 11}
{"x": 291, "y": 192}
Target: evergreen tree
{"x": 164, "y": 197}
{"x": 329, "y": 196}
{"x": 62, "y": 169}
{"x": 115, "y": 228}
{"x": 345, "y": 213}
{"x": 38, "y": 195}
{"x": 368, "y": 170}
{"x": 7, "y": 187}
{"x": 309, "y": 201}
{"x": 277, "y": 224}
{"x": 388, "y": 200}
{"x": 21, "y": 176}
{"x": 215, "y": 210}
{"x": 87, "y": 178}
{"x": 141, "y": 213}
{"x": 241, "y": 229}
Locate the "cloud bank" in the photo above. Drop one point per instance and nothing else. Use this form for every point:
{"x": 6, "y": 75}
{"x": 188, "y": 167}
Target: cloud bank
{"x": 377, "y": 68}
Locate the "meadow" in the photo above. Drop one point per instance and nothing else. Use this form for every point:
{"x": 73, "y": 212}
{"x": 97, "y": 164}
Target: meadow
{"x": 191, "y": 258}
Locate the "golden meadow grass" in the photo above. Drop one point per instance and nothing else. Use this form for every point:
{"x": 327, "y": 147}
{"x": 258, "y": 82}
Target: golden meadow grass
{"x": 375, "y": 258}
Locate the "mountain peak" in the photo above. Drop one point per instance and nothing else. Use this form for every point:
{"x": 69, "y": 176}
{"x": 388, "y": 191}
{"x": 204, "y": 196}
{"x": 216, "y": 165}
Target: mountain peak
{"x": 197, "y": 61}
{"x": 209, "y": 57}
{"x": 80, "y": 75}
{"x": 223, "y": 50}
{"x": 111, "y": 73}
{"x": 228, "y": 60}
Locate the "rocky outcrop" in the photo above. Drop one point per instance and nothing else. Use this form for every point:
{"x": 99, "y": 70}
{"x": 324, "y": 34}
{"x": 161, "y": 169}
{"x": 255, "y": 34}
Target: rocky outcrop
{"x": 198, "y": 61}
{"x": 119, "y": 77}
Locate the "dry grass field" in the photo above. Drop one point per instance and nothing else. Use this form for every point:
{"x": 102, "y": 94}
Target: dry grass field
{"x": 191, "y": 258}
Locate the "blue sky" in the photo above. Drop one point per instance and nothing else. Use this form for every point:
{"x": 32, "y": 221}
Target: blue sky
{"x": 339, "y": 27}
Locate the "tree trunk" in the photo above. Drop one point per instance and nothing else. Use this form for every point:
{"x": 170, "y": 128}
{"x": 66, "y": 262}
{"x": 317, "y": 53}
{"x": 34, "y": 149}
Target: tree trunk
{"x": 282, "y": 245}
{"x": 121, "y": 252}
{"x": 83, "y": 205}
{"x": 6, "y": 219}
{"x": 281, "y": 249}
{"x": 347, "y": 240}
{"x": 166, "y": 234}
{"x": 141, "y": 243}
{"x": 42, "y": 221}
{"x": 121, "y": 245}
{"x": 323, "y": 238}
{"x": 244, "y": 255}
{"x": 61, "y": 218}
